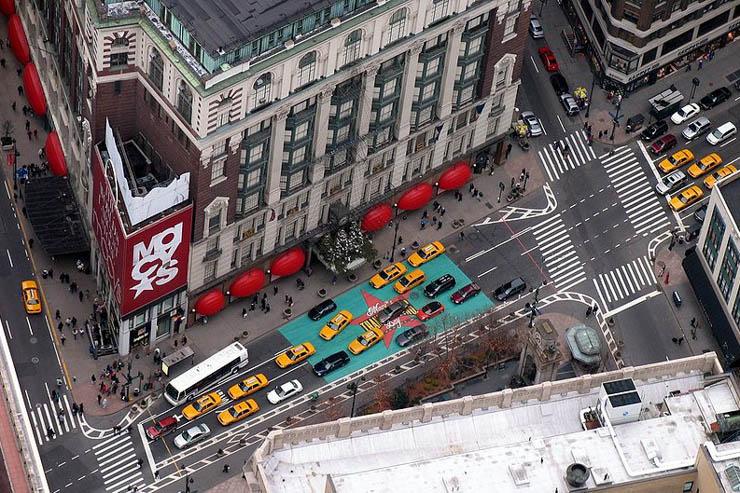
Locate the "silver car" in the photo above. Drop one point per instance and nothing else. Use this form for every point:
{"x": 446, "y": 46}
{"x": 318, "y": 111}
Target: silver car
{"x": 671, "y": 183}
{"x": 535, "y": 28}
{"x": 696, "y": 128}
{"x": 191, "y": 436}
{"x": 533, "y": 123}
{"x": 570, "y": 105}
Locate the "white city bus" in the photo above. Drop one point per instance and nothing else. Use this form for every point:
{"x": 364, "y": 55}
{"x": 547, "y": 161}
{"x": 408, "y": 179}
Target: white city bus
{"x": 187, "y": 386}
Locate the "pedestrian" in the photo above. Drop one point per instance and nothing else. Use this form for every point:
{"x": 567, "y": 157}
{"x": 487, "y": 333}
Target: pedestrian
{"x": 53, "y": 395}
{"x": 693, "y": 334}
{"x": 459, "y": 197}
{"x": 701, "y": 63}
{"x": 423, "y": 223}
{"x": 442, "y": 211}
{"x": 156, "y": 475}
{"x": 403, "y": 252}
{"x": 286, "y": 299}
{"x": 274, "y": 290}
{"x": 81, "y": 296}
{"x": 93, "y": 378}
{"x": 244, "y": 311}
{"x": 434, "y": 219}
{"x": 334, "y": 280}
{"x": 60, "y": 327}
{"x": 588, "y": 312}
{"x": 675, "y": 340}
{"x": 82, "y": 408}
{"x": 100, "y": 399}
{"x": 680, "y": 340}
{"x": 508, "y": 151}
{"x": 462, "y": 235}
{"x": 688, "y": 67}
{"x": 74, "y": 334}
{"x": 693, "y": 321}
{"x": 267, "y": 308}
{"x": 75, "y": 408}
{"x": 565, "y": 148}
{"x": 35, "y": 133}
{"x": 51, "y": 273}
{"x": 20, "y": 88}
{"x": 435, "y": 205}
{"x": 425, "y": 214}
{"x": 30, "y": 243}
{"x": 290, "y": 301}
{"x": 2, "y": 62}
{"x": 471, "y": 188}
{"x": 13, "y": 105}
{"x": 439, "y": 225}
{"x": 252, "y": 306}
{"x": 400, "y": 239}
{"x": 140, "y": 461}
{"x": 57, "y": 314}
{"x": 595, "y": 308}
{"x": 557, "y": 145}
{"x": 50, "y": 433}
{"x": 28, "y": 125}
{"x": 226, "y": 468}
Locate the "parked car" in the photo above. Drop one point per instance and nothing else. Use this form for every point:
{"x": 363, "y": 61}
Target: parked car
{"x": 331, "y": 363}
{"x": 535, "y": 28}
{"x": 161, "y": 428}
{"x": 439, "y": 285}
{"x": 721, "y": 133}
{"x": 685, "y": 113}
{"x": 718, "y": 96}
{"x": 284, "y": 391}
{"x": 533, "y": 123}
{"x": 465, "y": 293}
{"x": 191, "y": 436}
{"x": 569, "y": 104}
{"x": 412, "y": 335}
{"x": 322, "y": 309}
{"x": 653, "y": 131}
{"x": 670, "y": 183}
{"x": 559, "y": 83}
{"x": 392, "y": 311}
{"x": 696, "y": 128}
{"x": 663, "y": 144}
{"x": 511, "y": 288}
{"x": 548, "y": 59}
{"x": 430, "y": 310}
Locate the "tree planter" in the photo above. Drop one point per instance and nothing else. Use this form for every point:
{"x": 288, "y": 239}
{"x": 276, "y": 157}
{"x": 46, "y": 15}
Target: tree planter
{"x": 377, "y": 264}
{"x": 287, "y": 313}
{"x": 352, "y": 277}
{"x": 321, "y": 293}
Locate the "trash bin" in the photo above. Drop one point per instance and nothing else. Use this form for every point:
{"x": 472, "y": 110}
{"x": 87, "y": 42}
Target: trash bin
{"x": 677, "y": 299}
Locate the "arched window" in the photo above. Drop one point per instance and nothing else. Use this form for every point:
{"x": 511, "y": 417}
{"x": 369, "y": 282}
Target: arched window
{"x": 156, "y": 69}
{"x": 261, "y": 90}
{"x": 119, "y": 43}
{"x": 307, "y": 69}
{"x": 397, "y": 26}
{"x": 352, "y": 45}
{"x": 185, "y": 101}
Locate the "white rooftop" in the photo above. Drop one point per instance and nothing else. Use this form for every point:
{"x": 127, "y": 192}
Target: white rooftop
{"x": 524, "y": 448}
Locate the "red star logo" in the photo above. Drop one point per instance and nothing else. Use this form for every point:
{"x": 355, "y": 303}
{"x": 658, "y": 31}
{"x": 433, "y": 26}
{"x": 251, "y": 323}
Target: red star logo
{"x": 375, "y": 305}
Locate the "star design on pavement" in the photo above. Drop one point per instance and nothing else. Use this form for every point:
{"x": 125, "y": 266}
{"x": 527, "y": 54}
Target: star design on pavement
{"x": 375, "y": 305}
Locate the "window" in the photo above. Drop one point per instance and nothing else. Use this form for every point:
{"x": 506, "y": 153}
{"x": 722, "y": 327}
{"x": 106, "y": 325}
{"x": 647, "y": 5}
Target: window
{"x": 510, "y": 27}
{"x": 501, "y": 77}
{"x": 118, "y": 59}
{"x": 439, "y": 10}
{"x": 383, "y": 136}
{"x": 223, "y": 115}
{"x": 185, "y": 101}
{"x": 389, "y": 88}
{"x": 424, "y": 115}
{"x": 714, "y": 239}
{"x": 306, "y": 69}
{"x": 214, "y": 222}
{"x": 467, "y": 72}
{"x": 119, "y": 43}
{"x": 256, "y": 152}
{"x": 397, "y": 26}
{"x": 218, "y": 170}
{"x": 156, "y": 69}
{"x": 728, "y": 270}
{"x": 432, "y": 67}
{"x": 466, "y": 94}
{"x": 261, "y": 90}
{"x": 427, "y": 91}
{"x": 209, "y": 271}
{"x": 352, "y": 45}
{"x": 386, "y": 112}
{"x": 345, "y": 109}
{"x": 212, "y": 244}
{"x": 341, "y": 134}
{"x": 473, "y": 46}
{"x": 301, "y": 131}
{"x": 254, "y": 178}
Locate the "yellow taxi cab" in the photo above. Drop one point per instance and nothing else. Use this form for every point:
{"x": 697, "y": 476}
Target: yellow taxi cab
{"x": 238, "y": 412}
{"x": 426, "y": 253}
{"x": 712, "y": 179}
{"x": 248, "y": 386}
{"x": 705, "y": 165}
{"x": 676, "y": 160}
{"x": 366, "y": 340}
{"x": 686, "y": 197}
{"x": 387, "y": 275}
{"x": 31, "y": 300}
{"x": 201, "y": 406}
{"x": 295, "y": 355}
{"x": 410, "y": 281}
{"x": 336, "y": 325}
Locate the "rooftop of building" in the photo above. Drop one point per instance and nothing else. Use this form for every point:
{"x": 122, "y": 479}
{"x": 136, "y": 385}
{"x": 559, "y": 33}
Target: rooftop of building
{"x": 225, "y": 24}
{"x": 730, "y": 189}
{"x": 527, "y": 445}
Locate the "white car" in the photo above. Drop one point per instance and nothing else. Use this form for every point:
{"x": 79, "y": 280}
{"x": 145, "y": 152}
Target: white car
{"x": 685, "y": 113}
{"x": 722, "y": 133}
{"x": 696, "y": 128}
{"x": 284, "y": 391}
{"x": 191, "y": 436}
{"x": 535, "y": 28}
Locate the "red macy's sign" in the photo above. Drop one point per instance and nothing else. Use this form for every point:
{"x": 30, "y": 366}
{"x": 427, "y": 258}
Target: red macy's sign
{"x": 146, "y": 265}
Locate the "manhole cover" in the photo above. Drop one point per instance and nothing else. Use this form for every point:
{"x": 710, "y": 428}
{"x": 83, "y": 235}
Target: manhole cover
{"x": 33, "y": 340}
{"x": 488, "y": 204}
{"x": 35, "y": 360}
{"x": 452, "y": 249}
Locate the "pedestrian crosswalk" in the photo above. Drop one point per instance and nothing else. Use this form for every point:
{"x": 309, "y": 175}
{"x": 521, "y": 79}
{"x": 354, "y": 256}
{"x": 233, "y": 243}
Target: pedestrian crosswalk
{"x": 559, "y": 256}
{"x": 568, "y": 154}
{"x": 118, "y": 463}
{"x": 53, "y": 418}
{"x": 625, "y": 282}
{"x": 635, "y": 192}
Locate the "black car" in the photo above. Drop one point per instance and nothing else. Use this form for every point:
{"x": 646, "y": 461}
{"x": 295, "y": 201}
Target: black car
{"x": 322, "y": 309}
{"x": 511, "y": 288}
{"x": 719, "y": 95}
{"x": 559, "y": 83}
{"x": 655, "y": 130}
{"x": 331, "y": 363}
{"x": 392, "y": 311}
{"x": 412, "y": 335}
{"x": 439, "y": 285}
{"x": 700, "y": 214}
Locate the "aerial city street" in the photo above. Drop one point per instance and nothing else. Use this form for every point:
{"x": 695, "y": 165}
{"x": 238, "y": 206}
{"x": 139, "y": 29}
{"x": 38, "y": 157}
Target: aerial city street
{"x": 291, "y": 246}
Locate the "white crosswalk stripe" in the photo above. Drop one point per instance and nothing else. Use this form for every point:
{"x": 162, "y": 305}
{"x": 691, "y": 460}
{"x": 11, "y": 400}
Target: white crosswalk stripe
{"x": 625, "y": 282}
{"x": 558, "y": 254}
{"x": 557, "y": 162}
{"x": 635, "y": 192}
{"x": 46, "y": 416}
{"x": 118, "y": 463}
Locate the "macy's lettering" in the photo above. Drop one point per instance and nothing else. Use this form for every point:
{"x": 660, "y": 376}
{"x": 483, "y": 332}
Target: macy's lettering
{"x": 153, "y": 263}
{"x": 376, "y": 308}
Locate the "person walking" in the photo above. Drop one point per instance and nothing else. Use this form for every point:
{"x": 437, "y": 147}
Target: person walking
{"x": 244, "y": 312}
{"x": 274, "y": 290}
{"x": 20, "y": 90}
{"x": 100, "y": 399}
{"x": 58, "y": 315}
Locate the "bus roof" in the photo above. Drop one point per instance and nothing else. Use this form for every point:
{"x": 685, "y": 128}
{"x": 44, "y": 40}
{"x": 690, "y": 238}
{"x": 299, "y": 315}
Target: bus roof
{"x": 207, "y": 366}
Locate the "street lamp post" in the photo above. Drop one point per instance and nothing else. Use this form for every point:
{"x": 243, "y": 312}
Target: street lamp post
{"x": 395, "y": 239}
{"x": 542, "y": 5}
{"x": 533, "y": 307}
{"x": 352, "y": 387}
{"x": 590, "y": 94}
{"x": 526, "y": 177}
{"x": 501, "y": 188}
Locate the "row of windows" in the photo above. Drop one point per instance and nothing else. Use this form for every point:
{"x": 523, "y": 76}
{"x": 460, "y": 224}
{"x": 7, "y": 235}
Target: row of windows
{"x": 714, "y": 239}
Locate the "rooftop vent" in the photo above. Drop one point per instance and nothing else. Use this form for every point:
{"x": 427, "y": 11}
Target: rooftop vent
{"x": 733, "y": 476}
{"x": 577, "y": 474}
{"x": 519, "y": 474}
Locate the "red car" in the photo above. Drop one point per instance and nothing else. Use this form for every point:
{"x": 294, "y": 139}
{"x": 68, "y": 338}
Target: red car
{"x": 430, "y": 310}
{"x": 161, "y": 428}
{"x": 548, "y": 59}
{"x": 663, "y": 144}
{"x": 465, "y": 293}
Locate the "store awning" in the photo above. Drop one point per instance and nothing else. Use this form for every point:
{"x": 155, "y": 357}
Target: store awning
{"x": 7, "y": 7}
{"x": 54, "y": 215}
{"x": 456, "y": 176}
{"x": 34, "y": 90}
{"x": 288, "y": 263}
{"x": 376, "y": 218}
{"x": 416, "y": 197}
{"x": 55, "y": 154}
{"x": 210, "y": 303}
{"x": 247, "y": 283}
{"x": 18, "y": 39}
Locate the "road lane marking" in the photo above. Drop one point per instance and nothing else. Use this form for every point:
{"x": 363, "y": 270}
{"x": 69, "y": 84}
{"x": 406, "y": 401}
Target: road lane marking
{"x": 487, "y": 272}
{"x": 729, "y": 142}
{"x": 29, "y": 326}
{"x": 632, "y": 303}
{"x": 561, "y": 123}
{"x": 9, "y": 258}
{"x": 534, "y": 64}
